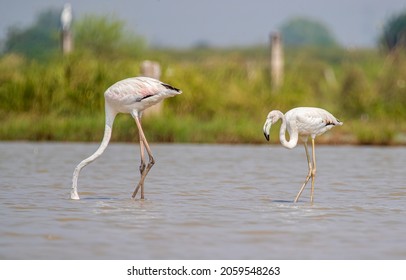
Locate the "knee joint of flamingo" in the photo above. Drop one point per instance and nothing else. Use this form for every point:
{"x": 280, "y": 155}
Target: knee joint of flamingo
{"x": 142, "y": 167}
{"x": 314, "y": 172}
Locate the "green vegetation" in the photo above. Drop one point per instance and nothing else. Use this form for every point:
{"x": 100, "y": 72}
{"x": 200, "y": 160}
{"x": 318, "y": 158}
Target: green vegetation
{"x": 107, "y": 37}
{"x": 38, "y": 41}
{"x": 394, "y": 32}
{"x": 227, "y": 93}
{"x": 306, "y": 32}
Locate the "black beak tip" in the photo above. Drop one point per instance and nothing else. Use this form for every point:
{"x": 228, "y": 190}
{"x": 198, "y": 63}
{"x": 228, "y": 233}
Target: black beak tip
{"x": 266, "y": 136}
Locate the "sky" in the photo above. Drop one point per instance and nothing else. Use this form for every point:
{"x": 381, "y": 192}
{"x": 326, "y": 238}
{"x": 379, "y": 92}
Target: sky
{"x": 183, "y": 23}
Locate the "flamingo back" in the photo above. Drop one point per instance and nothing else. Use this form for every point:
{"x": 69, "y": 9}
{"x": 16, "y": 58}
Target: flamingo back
{"x": 311, "y": 121}
{"x": 138, "y": 93}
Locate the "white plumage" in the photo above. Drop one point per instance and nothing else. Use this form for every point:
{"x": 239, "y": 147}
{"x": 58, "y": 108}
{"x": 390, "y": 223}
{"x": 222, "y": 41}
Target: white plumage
{"x": 66, "y": 16}
{"x": 132, "y": 96}
{"x": 302, "y": 122}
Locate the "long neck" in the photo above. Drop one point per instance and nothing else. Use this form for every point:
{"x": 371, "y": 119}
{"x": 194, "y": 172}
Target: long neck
{"x": 83, "y": 163}
{"x": 110, "y": 115}
{"x": 293, "y": 135}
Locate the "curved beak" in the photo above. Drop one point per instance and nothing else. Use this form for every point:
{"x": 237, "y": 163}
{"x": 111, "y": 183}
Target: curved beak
{"x": 267, "y": 128}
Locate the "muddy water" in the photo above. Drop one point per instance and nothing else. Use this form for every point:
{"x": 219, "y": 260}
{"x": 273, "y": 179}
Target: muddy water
{"x": 202, "y": 202}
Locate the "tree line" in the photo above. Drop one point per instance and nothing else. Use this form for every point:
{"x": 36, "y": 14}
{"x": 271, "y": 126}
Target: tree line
{"x": 107, "y": 35}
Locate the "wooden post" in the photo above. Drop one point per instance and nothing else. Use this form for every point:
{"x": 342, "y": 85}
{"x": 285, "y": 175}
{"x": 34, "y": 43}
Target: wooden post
{"x": 66, "y": 34}
{"x": 66, "y": 41}
{"x": 276, "y": 60}
{"x": 152, "y": 69}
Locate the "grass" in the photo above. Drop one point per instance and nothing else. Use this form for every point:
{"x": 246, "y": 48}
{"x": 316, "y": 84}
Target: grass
{"x": 227, "y": 94}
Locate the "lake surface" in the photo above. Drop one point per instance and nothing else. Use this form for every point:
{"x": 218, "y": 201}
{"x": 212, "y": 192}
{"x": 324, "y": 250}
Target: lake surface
{"x": 202, "y": 202}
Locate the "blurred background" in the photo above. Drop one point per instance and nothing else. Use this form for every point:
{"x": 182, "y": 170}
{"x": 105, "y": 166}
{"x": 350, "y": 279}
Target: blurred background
{"x": 235, "y": 61}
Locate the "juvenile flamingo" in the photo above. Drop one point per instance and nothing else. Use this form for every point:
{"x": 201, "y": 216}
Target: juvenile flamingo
{"x": 132, "y": 96}
{"x": 302, "y": 122}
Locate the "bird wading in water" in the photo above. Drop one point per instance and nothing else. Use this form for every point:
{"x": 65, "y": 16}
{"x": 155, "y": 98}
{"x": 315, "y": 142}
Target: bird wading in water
{"x": 302, "y": 122}
{"x": 132, "y": 96}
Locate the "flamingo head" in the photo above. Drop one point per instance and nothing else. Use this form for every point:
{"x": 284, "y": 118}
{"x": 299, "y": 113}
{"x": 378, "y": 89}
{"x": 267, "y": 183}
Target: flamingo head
{"x": 272, "y": 118}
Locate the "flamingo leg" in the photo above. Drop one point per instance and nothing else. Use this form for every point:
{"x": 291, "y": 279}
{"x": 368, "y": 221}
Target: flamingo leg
{"x": 142, "y": 165}
{"x": 142, "y": 153}
{"x": 313, "y": 170}
{"x": 150, "y": 163}
{"x": 308, "y": 175}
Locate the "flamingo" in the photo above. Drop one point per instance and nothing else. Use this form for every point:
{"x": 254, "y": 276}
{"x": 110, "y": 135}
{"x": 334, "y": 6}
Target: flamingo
{"x": 133, "y": 96}
{"x": 302, "y": 122}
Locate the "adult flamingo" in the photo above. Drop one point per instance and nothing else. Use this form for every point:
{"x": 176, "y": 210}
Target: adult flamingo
{"x": 302, "y": 122}
{"x": 133, "y": 96}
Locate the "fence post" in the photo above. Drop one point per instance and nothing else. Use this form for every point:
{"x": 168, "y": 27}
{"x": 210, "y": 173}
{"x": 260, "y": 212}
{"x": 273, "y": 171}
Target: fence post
{"x": 66, "y": 33}
{"x": 67, "y": 42}
{"x": 276, "y": 60}
{"x": 152, "y": 69}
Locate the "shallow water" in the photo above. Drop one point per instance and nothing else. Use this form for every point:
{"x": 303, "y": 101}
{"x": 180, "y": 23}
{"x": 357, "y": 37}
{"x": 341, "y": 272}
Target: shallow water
{"x": 202, "y": 202}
